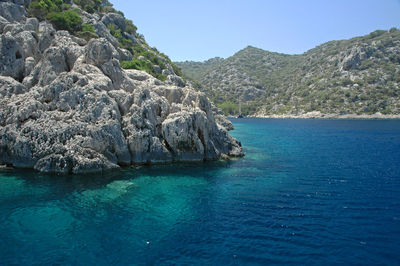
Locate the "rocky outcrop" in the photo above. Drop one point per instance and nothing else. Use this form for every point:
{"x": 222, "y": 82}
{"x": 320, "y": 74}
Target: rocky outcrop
{"x": 12, "y": 11}
{"x": 68, "y": 107}
{"x": 115, "y": 19}
{"x": 11, "y": 56}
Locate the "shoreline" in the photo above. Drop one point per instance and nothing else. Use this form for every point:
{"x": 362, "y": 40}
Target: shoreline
{"x": 318, "y": 115}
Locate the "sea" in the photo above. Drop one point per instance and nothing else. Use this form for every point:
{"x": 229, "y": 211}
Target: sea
{"x": 310, "y": 192}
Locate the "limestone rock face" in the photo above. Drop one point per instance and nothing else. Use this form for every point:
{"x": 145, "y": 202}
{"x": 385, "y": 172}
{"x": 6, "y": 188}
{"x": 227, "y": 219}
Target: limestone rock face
{"x": 116, "y": 19}
{"x": 100, "y": 52}
{"x": 12, "y": 12}
{"x": 3, "y": 23}
{"x": 67, "y": 106}
{"x": 11, "y": 57}
{"x": 28, "y": 41}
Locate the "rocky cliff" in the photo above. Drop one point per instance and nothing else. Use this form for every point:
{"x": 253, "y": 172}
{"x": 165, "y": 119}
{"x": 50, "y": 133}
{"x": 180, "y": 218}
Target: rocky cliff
{"x": 360, "y": 77}
{"x": 67, "y": 105}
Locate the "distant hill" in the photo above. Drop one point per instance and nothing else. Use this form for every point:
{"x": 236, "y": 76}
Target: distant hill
{"x": 196, "y": 70}
{"x": 360, "y": 76}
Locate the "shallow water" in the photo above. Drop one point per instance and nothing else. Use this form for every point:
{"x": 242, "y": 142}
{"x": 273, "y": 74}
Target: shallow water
{"x": 308, "y": 191}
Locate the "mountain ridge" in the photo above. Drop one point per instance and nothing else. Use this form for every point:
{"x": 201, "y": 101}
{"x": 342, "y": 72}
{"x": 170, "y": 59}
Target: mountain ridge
{"x": 358, "y": 76}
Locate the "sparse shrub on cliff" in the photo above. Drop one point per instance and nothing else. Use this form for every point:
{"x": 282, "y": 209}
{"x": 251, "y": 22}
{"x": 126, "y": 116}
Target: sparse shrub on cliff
{"x": 68, "y": 20}
{"x": 88, "y": 32}
{"x": 142, "y": 65}
{"x": 90, "y": 6}
{"x": 130, "y": 27}
{"x": 60, "y": 14}
{"x": 41, "y": 8}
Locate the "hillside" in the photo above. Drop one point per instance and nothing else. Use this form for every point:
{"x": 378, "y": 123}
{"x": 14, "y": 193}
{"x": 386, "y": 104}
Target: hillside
{"x": 360, "y": 76}
{"x": 81, "y": 91}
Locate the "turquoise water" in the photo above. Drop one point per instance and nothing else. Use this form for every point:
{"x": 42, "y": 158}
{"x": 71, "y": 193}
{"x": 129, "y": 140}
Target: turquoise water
{"x": 308, "y": 191}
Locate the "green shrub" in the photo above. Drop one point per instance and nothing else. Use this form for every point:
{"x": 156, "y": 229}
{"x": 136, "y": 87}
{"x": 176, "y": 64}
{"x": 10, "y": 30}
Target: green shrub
{"x": 376, "y": 33}
{"x": 138, "y": 49}
{"x": 90, "y": 6}
{"x": 136, "y": 64}
{"x": 126, "y": 43}
{"x": 68, "y": 20}
{"x": 41, "y": 8}
{"x": 130, "y": 28}
{"x": 142, "y": 65}
{"x": 346, "y": 81}
{"x": 176, "y": 69}
{"x": 114, "y": 31}
{"x": 87, "y": 35}
{"x": 229, "y": 108}
{"x": 88, "y": 28}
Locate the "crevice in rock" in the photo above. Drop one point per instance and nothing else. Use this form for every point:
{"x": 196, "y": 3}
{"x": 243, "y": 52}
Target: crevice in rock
{"x": 67, "y": 63}
{"x": 166, "y": 145}
{"x": 201, "y": 137}
{"x": 158, "y": 110}
{"x": 20, "y": 77}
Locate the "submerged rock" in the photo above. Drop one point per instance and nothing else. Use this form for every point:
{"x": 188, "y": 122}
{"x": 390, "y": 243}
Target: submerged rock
{"x": 68, "y": 107}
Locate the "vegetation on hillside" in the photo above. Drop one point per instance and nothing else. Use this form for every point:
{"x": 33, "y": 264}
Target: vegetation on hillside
{"x": 64, "y": 16}
{"x": 356, "y": 76}
{"x": 196, "y": 70}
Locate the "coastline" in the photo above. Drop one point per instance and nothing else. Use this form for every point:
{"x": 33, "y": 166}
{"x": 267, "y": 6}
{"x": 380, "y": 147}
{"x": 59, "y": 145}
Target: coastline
{"x": 318, "y": 115}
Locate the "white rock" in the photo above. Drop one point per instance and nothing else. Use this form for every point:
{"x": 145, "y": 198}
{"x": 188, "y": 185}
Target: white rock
{"x": 12, "y": 12}
{"x": 78, "y": 111}
{"x": 12, "y": 59}
{"x": 116, "y": 19}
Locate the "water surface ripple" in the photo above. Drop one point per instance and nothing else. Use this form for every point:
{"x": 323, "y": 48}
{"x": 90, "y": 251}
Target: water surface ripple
{"x": 307, "y": 192}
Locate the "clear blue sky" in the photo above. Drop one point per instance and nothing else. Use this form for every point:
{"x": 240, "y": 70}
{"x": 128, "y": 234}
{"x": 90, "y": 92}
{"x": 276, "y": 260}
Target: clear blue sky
{"x": 202, "y": 29}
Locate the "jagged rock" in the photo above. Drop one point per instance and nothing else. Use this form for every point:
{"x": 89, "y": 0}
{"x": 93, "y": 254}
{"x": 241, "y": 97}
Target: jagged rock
{"x": 13, "y": 28}
{"x": 176, "y": 80}
{"x": 88, "y": 18}
{"x": 93, "y": 73}
{"x": 166, "y": 72}
{"x": 131, "y": 37}
{"x": 103, "y": 55}
{"x": 182, "y": 137}
{"x": 18, "y": 2}
{"x": 99, "y": 52}
{"x": 12, "y": 12}
{"x": 29, "y": 65}
{"x": 53, "y": 63}
{"x": 3, "y": 23}
{"x": 79, "y": 41}
{"x": 32, "y": 24}
{"x": 78, "y": 111}
{"x": 72, "y": 49}
{"x": 157, "y": 69}
{"x": 102, "y": 31}
{"x": 12, "y": 59}
{"x": 114, "y": 18}
{"x": 138, "y": 75}
{"x": 353, "y": 58}
{"x": 29, "y": 43}
{"x": 9, "y": 87}
{"x": 222, "y": 121}
{"x": 118, "y": 77}
{"x": 59, "y": 58}
{"x": 47, "y": 33}
{"x": 124, "y": 54}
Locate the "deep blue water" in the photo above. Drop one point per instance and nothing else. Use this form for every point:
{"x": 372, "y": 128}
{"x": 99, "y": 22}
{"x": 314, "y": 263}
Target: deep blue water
{"x": 307, "y": 192}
